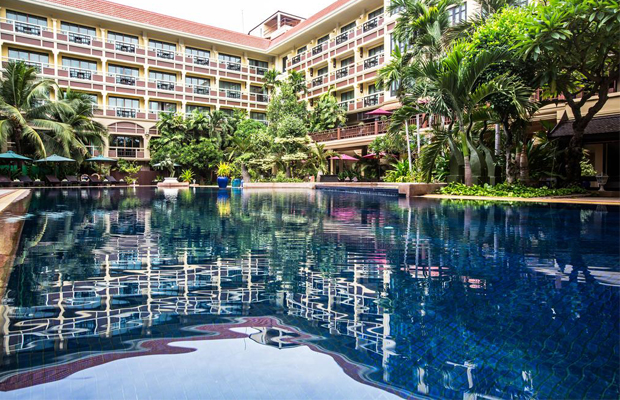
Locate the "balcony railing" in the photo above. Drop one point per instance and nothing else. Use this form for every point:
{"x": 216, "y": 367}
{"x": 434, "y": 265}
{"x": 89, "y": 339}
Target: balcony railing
{"x": 258, "y": 70}
{"x": 371, "y": 24}
{"x": 28, "y": 29}
{"x": 345, "y": 104}
{"x": 371, "y": 100}
{"x": 203, "y": 90}
{"x": 233, "y": 66}
{"x": 125, "y": 47}
{"x": 371, "y": 62}
{"x": 296, "y": 59}
{"x": 79, "y": 38}
{"x": 343, "y": 37}
{"x": 373, "y": 128}
{"x": 79, "y": 73}
{"x": 164, "y": 85}
{"x": 36, "y": 65}
{"x": 165, "y": 54}
{"x": 317, "y": 49}
{"x": 260, "y": 97}
{"x": 342, "y": 72}
{"x": 125, "y": 112}
{"x": 318, "y": 81}
{"x": 126, "y": 152}
{"x": 232, "y": 94}
{"x": 126, "y": 80}
{"x": 198, "y": 60}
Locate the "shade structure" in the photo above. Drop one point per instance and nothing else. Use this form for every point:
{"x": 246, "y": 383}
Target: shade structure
{"x": 373, "y": 155}
{"x": 344, "y": 157}
{"x": 11, "y": 156}
{"x": 102, "y": 159}
{"x": 379, "y": 112}
{"x": 158, "y": 165}
{"x": 54, "y": 158}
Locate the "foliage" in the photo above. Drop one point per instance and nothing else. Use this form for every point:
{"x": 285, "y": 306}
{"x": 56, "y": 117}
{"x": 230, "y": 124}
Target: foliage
{"x": 401, "y": 174}
{"x": 392, "y": 144}
{"x": 187, "y": 176}
{"x": 508, "y": 190}
{"x": 224, "y": 169}
{"x": 586, "y": 167}
{"x": 327, "y": 113}
{"x": 129, "y": 168}
{"x": 281, "y": 178}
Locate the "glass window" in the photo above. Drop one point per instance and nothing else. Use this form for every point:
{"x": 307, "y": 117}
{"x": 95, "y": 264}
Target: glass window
{"x": 122, "y": 102}
{"x": 323, "y": 39}
{"x": 162, "y": 76}
{"x": 230, "y": 86}
{"x": 347, "y": 96}
{"x": 121, "y": 37}
{"x": 347, "y": 61}
{"x": 162, "y": 106}
{"x": 190, "y": 51}
{"x": 284, "y": 61}
{"x": 302, "y": 49}
{"x": 29, "y": 56}
{"x": 190, "y": 108}
{"x": 121, "y": 70}
{"x": 375, "y": 51}
{"x": 348, "y": 27}
{"x": 259, "y": 116}
{"x": 228, "y": 111}
{"x": 126, "y": 141}
{"x": 229, "y": 59}
{"x": 457, "y": 14}
{"x": 394, "y": 44}
{"x": 81, "y": 64}
{"x": 26, "y": 18}
{"x": 372, "y": 89}
{"x": 259, "y": 64}
{"x": 323, "y": 71}
{"x": 195, "y": 81}
{"x": 80, "y": 29}
{"x": 375, "y": 13}
{"x": 257, "y": 90}
{"x": 157, "y": 45}
{"x": 92, "y": 97}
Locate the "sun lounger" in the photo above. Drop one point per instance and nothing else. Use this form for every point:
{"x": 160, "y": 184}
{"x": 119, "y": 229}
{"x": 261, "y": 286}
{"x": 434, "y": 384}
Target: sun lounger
{"x": 112, "y": 180}
{"x": 74, "y": 181}
{"x": 52, "y": 180}
{"x": 27, "y": 181}
{"x": 94, "y": 181}
{"x": 7, "y": 182}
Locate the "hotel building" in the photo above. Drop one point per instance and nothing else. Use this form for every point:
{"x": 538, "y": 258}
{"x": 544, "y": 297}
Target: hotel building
{"x": 137, "y": 64}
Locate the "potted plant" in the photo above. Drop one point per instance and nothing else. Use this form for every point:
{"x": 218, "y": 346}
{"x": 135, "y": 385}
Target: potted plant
{"x": 223, "y": 175}
{"x": 187, "y": 176}
{"x": 588, "y": 173}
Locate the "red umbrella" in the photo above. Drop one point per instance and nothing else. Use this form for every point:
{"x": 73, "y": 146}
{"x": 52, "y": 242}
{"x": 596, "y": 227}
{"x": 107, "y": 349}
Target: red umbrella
{"x": 373, "y": 155}
{"x": 343, "y": 157}
{"x": 380, "y": 112}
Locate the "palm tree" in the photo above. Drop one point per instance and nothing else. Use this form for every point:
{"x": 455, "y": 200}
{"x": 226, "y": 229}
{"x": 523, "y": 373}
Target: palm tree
{"x": 270, "y": 80}
{"x": 320, "y": 157}
{"x": 78, "y": 114}
{"x": 26, "y": 110}
{"x": 219, "y": 126}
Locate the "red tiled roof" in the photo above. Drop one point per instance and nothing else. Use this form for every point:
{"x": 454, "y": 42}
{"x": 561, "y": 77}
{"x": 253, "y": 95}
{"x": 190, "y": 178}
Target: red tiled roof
{"x": 165, "y": 21}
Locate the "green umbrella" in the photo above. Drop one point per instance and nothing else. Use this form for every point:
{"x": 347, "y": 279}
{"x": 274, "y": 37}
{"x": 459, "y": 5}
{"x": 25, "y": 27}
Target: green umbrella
{"x": 102, "y": 159}
{"x": 55, "y": 159}
{"x": 11, "y": 156}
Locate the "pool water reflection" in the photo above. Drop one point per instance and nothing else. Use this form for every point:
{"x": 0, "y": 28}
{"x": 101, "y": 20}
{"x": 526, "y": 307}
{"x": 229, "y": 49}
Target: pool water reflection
{"x": 203, "y": 294}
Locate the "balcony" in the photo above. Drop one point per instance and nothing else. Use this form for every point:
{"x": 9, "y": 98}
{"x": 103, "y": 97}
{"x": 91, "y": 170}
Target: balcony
{"x": 342, "y": 72}
{"x": 371, "y": 100}
{"x": 371, "y": 62}
{"x": 125, "y": 112}
{"x": 78, "y": 73}
{"x": 258, "y": 70}
{"x": 126, "y": 152}
{"x": 202, "y": 90}
{"x": 125, "y": 47}
{"x": 345, "y": 104}
{"x": 370, "y": 25}
{"x": 232, "y": 66}
{"x": 165, "y": 54}
{"x": 232, "y": 94}
{"x": 343, "y": 37}
{"x": 28, "y": 29}
{"x": 260, "y": 97}
{"x": 126, "y": 80}
{"x": 204, "y": 61}
{"x": 317, "y": 49}
{"x": 318, "y": 81}
{"x": 373, "y": 128}
{"x": 296, "y": 59}
{"x": 164, "y": 85}
{"x": 79, "y": 39}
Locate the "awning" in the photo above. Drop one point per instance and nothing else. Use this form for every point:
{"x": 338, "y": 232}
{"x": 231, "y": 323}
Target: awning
{"x": 599, "y": 125}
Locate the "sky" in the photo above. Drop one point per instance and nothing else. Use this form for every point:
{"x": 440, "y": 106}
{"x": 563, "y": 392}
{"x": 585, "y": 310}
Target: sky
{"x": 236, "y": 15}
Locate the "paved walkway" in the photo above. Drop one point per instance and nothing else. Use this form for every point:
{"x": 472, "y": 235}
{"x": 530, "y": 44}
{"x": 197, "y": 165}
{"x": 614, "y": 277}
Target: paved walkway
{"x": 606, "y": 201}
{"x": 8, "y": 196}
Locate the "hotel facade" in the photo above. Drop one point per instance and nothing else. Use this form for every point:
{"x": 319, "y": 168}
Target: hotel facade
{"x": 137, "y": 64}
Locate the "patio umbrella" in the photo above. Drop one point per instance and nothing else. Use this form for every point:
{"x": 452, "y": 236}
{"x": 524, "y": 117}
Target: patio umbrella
{"x": 379, "y": 112}
{"x": 56, "y": 159}
{"x": 373, "y": 155}
{"x": 343, "y": 157}
{"x": 10, "y": 156}
{"x": 158, "y": 165}
{"x": 102, "y": 159}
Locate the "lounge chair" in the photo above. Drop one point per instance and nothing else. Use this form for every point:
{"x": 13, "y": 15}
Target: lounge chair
{"x": 7, "y": 182}
{"x": 95, "y": 181}
{"x": 74, "y": 181}
{"x": 328, "y": 178}
{"x": 52, "y": 180}
{"x": 27, "y": 181}
{"x": 112, "y": 180}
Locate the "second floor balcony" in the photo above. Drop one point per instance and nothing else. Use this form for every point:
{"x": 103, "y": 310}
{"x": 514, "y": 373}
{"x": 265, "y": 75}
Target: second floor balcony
{"x": 78, "y": 73}
{"x": 202, "y": 90}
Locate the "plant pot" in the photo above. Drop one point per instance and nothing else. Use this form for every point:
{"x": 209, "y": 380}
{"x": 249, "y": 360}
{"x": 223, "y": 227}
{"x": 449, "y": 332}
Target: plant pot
{"x": 236, "y": 183}
{"x": 222, "y": 182}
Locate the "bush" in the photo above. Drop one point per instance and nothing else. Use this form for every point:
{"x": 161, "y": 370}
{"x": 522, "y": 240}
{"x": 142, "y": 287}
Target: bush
{"x": 281, "y": 178}
{"x": 507, "y": 190}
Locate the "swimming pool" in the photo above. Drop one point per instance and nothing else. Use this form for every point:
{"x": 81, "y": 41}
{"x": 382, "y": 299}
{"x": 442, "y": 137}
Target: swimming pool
{"x": 139, "y": 293}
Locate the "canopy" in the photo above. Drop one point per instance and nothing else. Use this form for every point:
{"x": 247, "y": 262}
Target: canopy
{"x": 11, "y": 156}
{"x": 379, "y": 112}
{"x": 102, "y": 159}
{"x": 55, "y": 159}
{"x": 373, "y": 155}
{"x": 344, "y": 157}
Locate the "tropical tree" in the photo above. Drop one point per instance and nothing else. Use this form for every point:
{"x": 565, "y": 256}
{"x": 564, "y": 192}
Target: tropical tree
{"x": 248, "y": 144}
{"x": 575, "y": 48}
{"x": 26, "y": 111}
{"x": 327, "y": 113}
{"x": 319, "y": 157}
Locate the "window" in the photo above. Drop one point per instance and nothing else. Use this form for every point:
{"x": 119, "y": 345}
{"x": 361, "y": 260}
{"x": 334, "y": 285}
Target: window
{"x": 395, "y": 44}
{"x": 121, "y": 70}
{"x": 260, "y": 66}
{"x": 233, "y": 63}
{"x": 78, "y": 33}
{"x": 348, "y": 27}
{"x": 284, "y": 61}
{"x": 33, "y": 59}
{"x": 121, "y": 102}
{"x": 228, "y": 111}
{"x": 347, "y": 96}
{"x": 81, "y": 64}
{"x": 347, "y": 61}
{"x": 190, "y": 108}
{"x": 260, "y": 93}
{"x": 258, "y": 116}
{"x": 233, "y": 90}
{"x": 323, "y": 39}
{"x": 372, "y": 89}
{"x": 162, "y": 49}
{"x": 162, "y": 106}
{"x": 92, "y": 97}
{"x": 26, "y": 23}
{"x": 162, "y": 76}
{"x": 375, "y": 51}
{"x": 133, "y": 142}
{"x": 190, "y": 51}
{"x": 457, "y": 14}
{"x": 302, "y": 49}
{"x": 194, "y": 81}
{"x": 375, "y": 13}
{"x": 121, "y": 37}
{"x": 323, "y": 71}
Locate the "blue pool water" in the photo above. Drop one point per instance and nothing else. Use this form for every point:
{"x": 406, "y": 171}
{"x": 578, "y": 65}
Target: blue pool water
{"x": 199, "y": 294}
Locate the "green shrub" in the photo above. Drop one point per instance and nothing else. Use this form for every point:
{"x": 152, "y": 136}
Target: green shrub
{"x": 507, "y": 190}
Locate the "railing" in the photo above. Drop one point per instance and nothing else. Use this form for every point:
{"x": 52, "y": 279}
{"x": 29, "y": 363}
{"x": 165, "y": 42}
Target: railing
{"x": 296, "y": 59}
{"x": 345, "y": 104}
{"x": 79, "y": 73}
{"x": 262, "y": 121}
{"x": 165, "y": 54}
{"x": 231, "y": 94}
{"x": 164, "y": 85}
{"x": 371, "y": 62}
{"x": 371, "y": 24}
{"x": 78, "y": 38}
{"x": 36, "y": 65}
{"x": 125, "y": 112}
{"x": 373, "y": 128}
{"x": 28, "y": 29}
{"x": 124, "y": 47}
{"x": 198, "y": 60}
{"x": 199, "y": 89}
{"x": 317, "y": 49}
{"x": 125, "y": 80}
{"x": 343, "y": 37}
{"x": 259, "y": 97}
{"x": 342, "y": 72}
{"x": 317, "y": 81}
{"x": 371, "y": 100}
{"x": 126, "y": 152}
{"x": 258, "y": 70}
{"x": 233, "y": 66}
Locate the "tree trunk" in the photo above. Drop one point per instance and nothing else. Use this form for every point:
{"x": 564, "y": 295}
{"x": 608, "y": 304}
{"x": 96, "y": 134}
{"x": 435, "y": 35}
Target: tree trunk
{"x": 467, "y": 170}
{"x": 574, "y": 154}
{"x": 524, "y": 167}
{"x": 245, "y": 175}
{"x": 288, "y": 171}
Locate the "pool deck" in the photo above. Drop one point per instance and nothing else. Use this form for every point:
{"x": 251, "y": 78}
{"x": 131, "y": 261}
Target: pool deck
{"x": 604, "y": 201}
{"x": 9, "y": 196}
